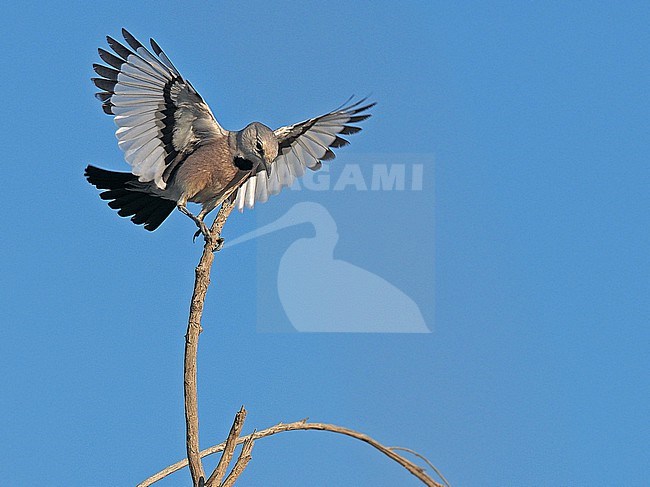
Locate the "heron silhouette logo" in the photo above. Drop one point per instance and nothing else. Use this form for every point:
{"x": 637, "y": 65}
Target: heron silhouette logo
{"x": 322, "y": 294}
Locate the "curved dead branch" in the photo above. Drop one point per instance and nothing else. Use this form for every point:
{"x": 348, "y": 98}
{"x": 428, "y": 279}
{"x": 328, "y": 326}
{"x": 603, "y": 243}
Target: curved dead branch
{"x": 414, "y": 469}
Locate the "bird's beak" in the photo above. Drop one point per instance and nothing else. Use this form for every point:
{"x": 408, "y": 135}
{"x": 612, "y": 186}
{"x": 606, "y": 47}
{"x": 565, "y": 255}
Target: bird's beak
{"x": 267, "y": 166}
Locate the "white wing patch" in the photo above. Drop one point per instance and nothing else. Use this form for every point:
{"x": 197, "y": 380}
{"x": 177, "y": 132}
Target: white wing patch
{"x": 301, "y": 146}
{"x": 161, "y": 118}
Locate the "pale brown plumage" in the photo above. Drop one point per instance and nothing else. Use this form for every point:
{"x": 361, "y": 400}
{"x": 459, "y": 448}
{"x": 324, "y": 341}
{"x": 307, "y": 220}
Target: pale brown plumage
{"x": 178, "y": 151}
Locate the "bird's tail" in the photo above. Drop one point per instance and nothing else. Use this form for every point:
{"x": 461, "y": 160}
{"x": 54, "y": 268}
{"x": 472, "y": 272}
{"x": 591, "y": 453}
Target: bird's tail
{"x": 143, "y": 208}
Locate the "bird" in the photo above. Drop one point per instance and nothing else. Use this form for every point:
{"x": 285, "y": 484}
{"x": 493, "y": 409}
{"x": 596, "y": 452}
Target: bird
{"x": 179, "y": 153}
{"x": 320, "y": 293}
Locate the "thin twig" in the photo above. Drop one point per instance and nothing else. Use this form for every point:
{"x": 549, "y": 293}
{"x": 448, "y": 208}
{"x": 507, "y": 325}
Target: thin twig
{"x": 425, "y": 460}
{"x": 241, "y": 463}
{"x": 201, "y": 283}
{"x": 229, "y": 449}
{"x": 414, "y": 469}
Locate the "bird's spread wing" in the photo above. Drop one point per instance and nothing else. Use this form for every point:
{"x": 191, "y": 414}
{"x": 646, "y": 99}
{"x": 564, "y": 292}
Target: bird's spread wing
{"x": 161, "y": 118}
{"x": 303, "y": 145}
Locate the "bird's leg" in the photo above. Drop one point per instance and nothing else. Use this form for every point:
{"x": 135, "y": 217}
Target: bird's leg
{"x": 203, "y": 229}
{"x": 219, "y": 244}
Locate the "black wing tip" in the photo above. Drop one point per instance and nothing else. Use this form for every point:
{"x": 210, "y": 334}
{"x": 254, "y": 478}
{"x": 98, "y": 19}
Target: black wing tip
{"x": 339, "y": 142}
{"x": 349, "y": 130}
{"x": 105, "y": 71}
{"x": 127, "y": 35}
{"x": 359, "y": 118}
{"x": 154, "y": 45}
{"x": 329, "y": 155}
{"x": 107, "y": 85}
{"x": 353, "y": 108}
{"x": 366, "y": 107}
{"x": 344, "y": 105}
{"x": 119, "y": 48}
{"x": 131, "y": 40}
{"x": 110, "y": 58}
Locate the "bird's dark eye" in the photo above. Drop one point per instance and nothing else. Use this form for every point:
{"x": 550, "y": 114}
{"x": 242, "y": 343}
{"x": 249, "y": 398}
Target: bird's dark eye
{"x": 259, "y": 147}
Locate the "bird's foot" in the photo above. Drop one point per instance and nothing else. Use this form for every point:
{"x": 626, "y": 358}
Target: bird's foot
{"x": 218, "y": 245}
{"x": 203, "y": 229}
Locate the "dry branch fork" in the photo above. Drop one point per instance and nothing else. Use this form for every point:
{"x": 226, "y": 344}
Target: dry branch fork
{"x": 194, "y": 454}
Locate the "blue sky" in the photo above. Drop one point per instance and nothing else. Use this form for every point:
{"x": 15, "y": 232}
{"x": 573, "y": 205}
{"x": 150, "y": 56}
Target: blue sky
{"x": 528, "y": 252}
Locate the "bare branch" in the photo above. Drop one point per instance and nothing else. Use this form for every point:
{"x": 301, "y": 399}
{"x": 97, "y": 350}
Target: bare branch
{"x": 229, "y": 449}
{"x": 425, "y": 460}
{"x": 414, "y": 469}
{"x": 201, "y": 283}
{"x": 241, "y": 463}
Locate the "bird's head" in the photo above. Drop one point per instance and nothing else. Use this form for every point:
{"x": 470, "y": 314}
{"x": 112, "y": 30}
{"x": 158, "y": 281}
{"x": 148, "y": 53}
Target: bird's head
{"x": 258, "y": 144}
